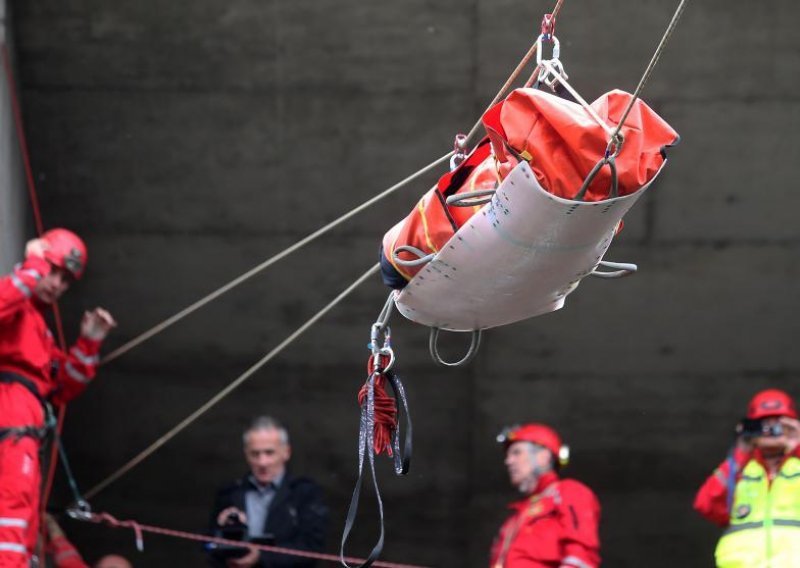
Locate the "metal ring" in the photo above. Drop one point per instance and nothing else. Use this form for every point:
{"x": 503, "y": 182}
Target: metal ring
{"x": 433, "y": 347}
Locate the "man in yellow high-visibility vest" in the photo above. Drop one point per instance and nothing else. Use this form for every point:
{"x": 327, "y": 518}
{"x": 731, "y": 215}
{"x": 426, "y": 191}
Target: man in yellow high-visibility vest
{"x": 755, "y": 492}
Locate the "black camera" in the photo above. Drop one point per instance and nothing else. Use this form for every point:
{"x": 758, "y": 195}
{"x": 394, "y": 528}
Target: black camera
{"x": 754, "y": 428}
{"x": 231, "y": 529}
{"x": 234, "y": 529}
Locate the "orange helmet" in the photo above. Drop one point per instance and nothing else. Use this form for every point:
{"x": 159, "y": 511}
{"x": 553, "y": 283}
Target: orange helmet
{"x": 771, "y": 402}
{"x": 66, "y": 250}
{"x": 538, "y": 434}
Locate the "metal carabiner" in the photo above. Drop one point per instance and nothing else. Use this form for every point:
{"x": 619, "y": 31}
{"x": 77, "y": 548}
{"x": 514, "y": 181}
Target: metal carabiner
{"x": 548, "y": 27}
{"x": 556, "y": 48}
{"x": 80, "y": 510}
{"x": 459, "y": 151}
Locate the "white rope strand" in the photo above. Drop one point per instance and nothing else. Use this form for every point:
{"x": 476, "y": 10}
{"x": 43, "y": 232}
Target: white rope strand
{"x": 514, "y": 74}
{"x": 138, "y": 340}
{"x": 230, "y": 388}
{"x": 656, "y": 56}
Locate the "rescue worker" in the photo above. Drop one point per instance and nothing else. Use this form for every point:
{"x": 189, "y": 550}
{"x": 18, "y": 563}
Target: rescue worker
{"x": 35, "y": 372}
{"x": 556, "y": 524}
{"x": 755, "y": 492}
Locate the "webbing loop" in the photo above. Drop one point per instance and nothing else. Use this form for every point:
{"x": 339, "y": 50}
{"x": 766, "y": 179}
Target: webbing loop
{"x": 475, "y": 343}
{"x": 422, "y": 256}
{"x": 471, "y": 198}
{"x": 621, "y": 269}
{"x": 613, "y": 190}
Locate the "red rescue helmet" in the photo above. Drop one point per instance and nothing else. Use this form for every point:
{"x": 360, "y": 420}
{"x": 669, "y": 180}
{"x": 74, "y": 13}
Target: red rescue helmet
{"x": 66, "y": 250}
{"x": 771, "y": 402}
{"x": 540, "y": 435}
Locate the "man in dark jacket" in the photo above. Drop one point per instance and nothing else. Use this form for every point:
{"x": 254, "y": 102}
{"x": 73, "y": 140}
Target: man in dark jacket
{"x": 268, "y": 505}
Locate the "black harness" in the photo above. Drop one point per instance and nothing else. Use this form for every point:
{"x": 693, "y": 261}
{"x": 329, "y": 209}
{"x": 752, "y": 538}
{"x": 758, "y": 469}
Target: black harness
{"x": 39, "y": 433}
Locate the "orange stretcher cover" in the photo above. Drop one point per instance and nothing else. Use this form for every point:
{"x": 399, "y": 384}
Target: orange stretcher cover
{"x": 561, "y": 142}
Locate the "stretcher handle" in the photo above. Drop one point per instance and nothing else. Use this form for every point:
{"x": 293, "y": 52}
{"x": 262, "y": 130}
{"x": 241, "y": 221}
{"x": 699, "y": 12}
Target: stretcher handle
{"x": 622, "y": 269}
{"x": 423, "y": 257}
{"x": 433, "y": 347}
{"x": 614, "y": 192}
{"x": 471, "y": 198}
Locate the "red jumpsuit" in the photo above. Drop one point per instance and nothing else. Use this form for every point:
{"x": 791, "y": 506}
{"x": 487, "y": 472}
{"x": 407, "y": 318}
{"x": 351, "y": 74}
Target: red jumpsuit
{"x": 28, "y": 350}
{"x": 712, "y": 499}
{"x": 556, "y": 525}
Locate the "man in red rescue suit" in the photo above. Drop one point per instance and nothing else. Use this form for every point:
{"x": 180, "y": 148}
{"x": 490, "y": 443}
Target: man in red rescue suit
{"x": 755, "y": 492}
{"x": 34, "y": 372}
{"x": 556, "y": 524}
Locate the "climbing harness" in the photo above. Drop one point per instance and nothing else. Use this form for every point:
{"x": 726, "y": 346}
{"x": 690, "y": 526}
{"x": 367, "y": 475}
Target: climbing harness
{"x": 39, "y": 433}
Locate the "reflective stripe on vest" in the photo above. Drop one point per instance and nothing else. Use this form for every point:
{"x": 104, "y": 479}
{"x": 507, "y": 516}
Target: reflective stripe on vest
{"x": 13, "y": 547}
{"x": 764, "y": 526}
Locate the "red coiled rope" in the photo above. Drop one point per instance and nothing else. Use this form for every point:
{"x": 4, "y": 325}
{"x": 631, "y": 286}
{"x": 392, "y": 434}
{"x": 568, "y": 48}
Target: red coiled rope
{"x": 385, "y": 409}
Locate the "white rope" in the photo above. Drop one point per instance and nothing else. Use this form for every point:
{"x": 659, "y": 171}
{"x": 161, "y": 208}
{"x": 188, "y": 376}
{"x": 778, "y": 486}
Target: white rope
{"x": 514, "y": 74}
{"x": 656, "y": 56}
{"x": 230, "y": 388}
{"x": 555, "y": 72}
{"x": 264, "y": 265}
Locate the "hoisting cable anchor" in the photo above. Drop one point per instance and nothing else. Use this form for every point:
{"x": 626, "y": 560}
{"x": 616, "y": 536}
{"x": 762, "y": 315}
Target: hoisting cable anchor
{"x": 460, "y": 152}
{"x": 554, "y": 70}
{"x": 548, "y": 27}
{"x": 80, "y": 510}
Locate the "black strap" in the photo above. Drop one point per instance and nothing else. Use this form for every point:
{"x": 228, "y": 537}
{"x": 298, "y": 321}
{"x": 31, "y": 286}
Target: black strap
{"x": 11, "y": 378}
{"x": 38, "y": 432}
{"x": 19, "y": 432}
{"x": 402, "y": 461}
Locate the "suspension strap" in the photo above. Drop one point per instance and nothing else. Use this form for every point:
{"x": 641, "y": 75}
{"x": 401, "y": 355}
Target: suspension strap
{"x": 379, "y": 428}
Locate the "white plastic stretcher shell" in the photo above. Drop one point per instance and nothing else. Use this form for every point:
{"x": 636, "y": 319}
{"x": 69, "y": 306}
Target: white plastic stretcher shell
{"x": 518, "y": 257}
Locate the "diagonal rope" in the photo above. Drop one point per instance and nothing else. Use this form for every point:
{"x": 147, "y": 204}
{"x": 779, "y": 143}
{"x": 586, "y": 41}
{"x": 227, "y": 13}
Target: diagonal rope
{"x": 656, "y": 56}
{"x": 139, "y": 528}
{"x": 514, "y": 74}
{"x": 266, "y": 264}
{"x": 230, "y": 388}
{"x": 200, "y": 303}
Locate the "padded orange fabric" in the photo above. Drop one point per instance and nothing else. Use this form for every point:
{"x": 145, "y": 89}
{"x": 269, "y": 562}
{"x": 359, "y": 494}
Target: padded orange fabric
{"x": 562, "y": 142}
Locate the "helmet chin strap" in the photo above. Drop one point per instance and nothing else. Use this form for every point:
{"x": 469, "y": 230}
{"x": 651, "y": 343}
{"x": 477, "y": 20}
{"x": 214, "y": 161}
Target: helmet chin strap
{"x": 530, "y": 483}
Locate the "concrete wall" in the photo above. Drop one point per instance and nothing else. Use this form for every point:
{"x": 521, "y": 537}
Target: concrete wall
{"x": 13, "y": 204}
{"x": 187, "y": 141}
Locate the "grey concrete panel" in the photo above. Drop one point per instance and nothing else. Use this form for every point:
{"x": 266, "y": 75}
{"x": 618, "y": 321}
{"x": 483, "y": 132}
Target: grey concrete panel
{"x": 734, "y": 175}
{"x": 666, "y": 314}
{"x": 252, "y": 164}
{"x": 251, "y": 46}
{"x": 13, "y": 198}
{"x": 720, "y": 50}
